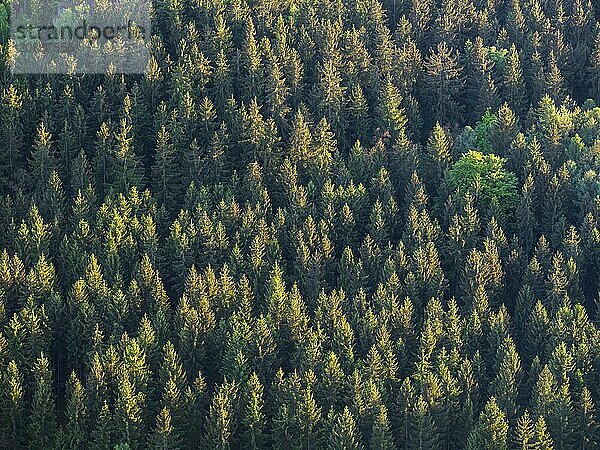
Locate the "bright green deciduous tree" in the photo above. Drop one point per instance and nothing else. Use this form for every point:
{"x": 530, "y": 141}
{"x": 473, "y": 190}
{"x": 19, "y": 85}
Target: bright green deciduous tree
{"x": 485, "y": 176}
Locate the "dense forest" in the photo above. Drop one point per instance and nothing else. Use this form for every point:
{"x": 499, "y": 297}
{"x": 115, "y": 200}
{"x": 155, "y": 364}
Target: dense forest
{"x": 311, "y": 224}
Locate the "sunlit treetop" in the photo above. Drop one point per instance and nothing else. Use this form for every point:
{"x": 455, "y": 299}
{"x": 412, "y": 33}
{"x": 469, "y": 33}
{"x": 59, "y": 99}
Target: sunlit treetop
{"x": 485, "y": 176}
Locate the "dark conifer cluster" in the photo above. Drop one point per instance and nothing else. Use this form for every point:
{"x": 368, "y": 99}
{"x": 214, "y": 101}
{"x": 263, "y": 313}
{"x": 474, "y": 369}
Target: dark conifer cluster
{"x": 311, "y": 224}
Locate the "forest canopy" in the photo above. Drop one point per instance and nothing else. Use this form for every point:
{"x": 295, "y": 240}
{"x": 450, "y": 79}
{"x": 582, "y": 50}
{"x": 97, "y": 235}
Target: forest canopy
{"x": 309, "y": 224}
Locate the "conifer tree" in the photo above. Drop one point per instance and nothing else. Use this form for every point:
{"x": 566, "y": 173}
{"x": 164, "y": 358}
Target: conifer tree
{"x": 309, "y": 418}
{"x": 13, "y": 401}
{"x": 330, "y": 94}
{"x": 513, "y": 85}
{"x": 222, "y": 80}
{"x": 81, "y": 178}
{"x": 594, "y": 69}
{"x": 103, "y": 433}
{"x": 76, "y": 428}
{"x": 42, "y": 422}
{"x": 586, "y": 425}
{"x": 480, "y": 81}
{"x": 504, "y": 130}
{"x": 505, "y": 386}
{"x": 276, "y": 90}
{"x": 125, "y": 170}
{"x": 422, "y": 432}
{"x": 221, "y": 422}
{"x": 438, "y": 156}
{"x": 163, "y": 436}
{"x": 491, "y": 430}
{"x": 381, "y": 436}
{"x": 541, "y": 437}
{"x": 555, "y": 82}
{"x": 252, "y": 61}
{"x": 325, "y": 147}
{"x": 392, "y": 117}
{"x": 524, "y": 433}
{"x": 128, "y": 412}
{"x": 443, "y": 84}
{"x": 101, "y": 162}
{"x": 300, "y": 144}
{"x": 359, "y": 118}
{"x": 164, "y": 172}
{"x": 54, "y": 197}
{"x": 12, "y": 136}
{"x": 254, "y": 416}
{"x": 344, "y": 434}
{"x": 42, "y": 161}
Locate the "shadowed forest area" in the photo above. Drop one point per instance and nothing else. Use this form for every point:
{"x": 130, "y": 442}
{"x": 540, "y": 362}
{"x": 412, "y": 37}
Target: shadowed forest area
{"x": 311, "y": 224}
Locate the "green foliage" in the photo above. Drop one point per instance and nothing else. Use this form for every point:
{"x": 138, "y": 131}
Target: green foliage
{"x": 486, "y": 177}
{"x": 491, "y": 430}
{"x": 43, "y": 416}
{"x": 482, "y": 132}
{"x": 344, "y": 434}
{"x": 4, "y": 26}
{"x": 366, "y": 224}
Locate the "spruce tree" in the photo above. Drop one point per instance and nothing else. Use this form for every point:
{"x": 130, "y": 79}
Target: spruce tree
{"x": 254, "y": 416}
{"x": 524, "y": 433}
{"x": 163, "y": 436}
{"x": 13, "y": 401}
{"x": 594, "y": 69}
{"x": 381, "y": 436}
{"x": 513, "y": 85}
{"x": 391, "y": 116}
{"x": 76, "y": 409}
{"x": 422, "y": 432}
{"x": 42, "y": 161}
{"x": 125, "y": 167}
{"x": 443, "y": 83}
{"x": 103, "y": 433}
{"x": 439, "y": 147}
{"x": 586, "y": 426}
{"x": 344, "y": 434}
{"x": 164, "y": 170}
{"x": 221, "y": 422}
{"x": 12, "y": 137}
{"x": 42, "y": 423}
{"x": 491, "y": 430}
